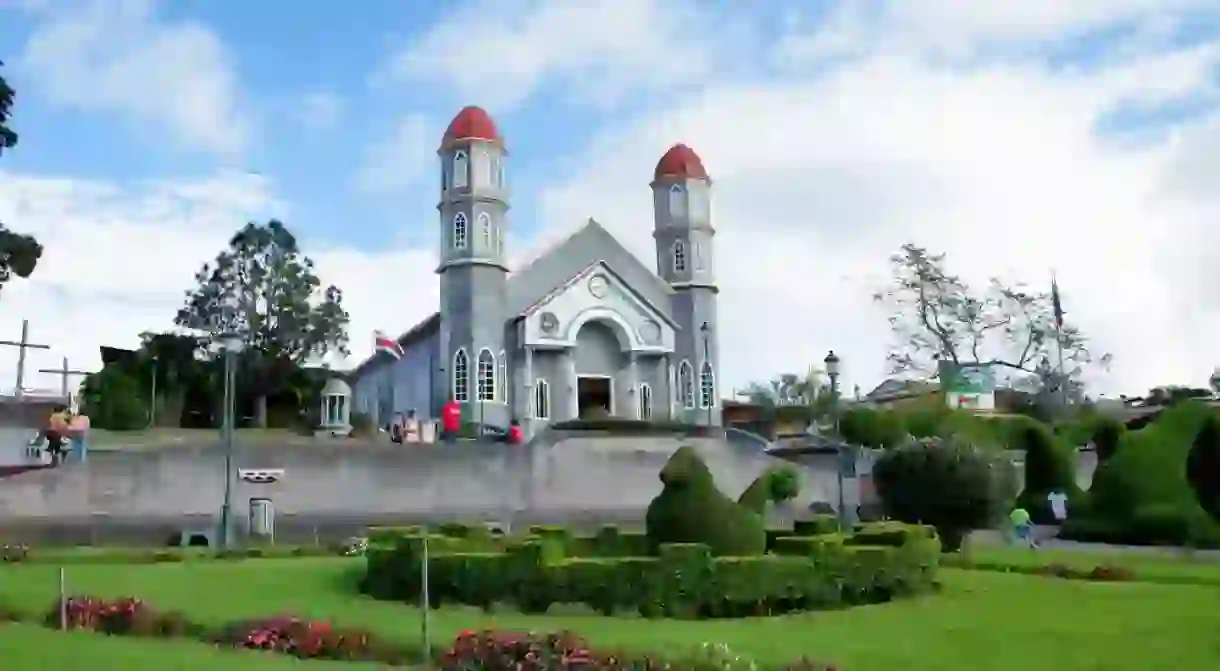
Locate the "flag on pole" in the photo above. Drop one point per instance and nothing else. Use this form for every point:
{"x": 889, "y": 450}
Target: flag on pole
{"x": 383, "y": 343}
{"x": 1058, "y": 307}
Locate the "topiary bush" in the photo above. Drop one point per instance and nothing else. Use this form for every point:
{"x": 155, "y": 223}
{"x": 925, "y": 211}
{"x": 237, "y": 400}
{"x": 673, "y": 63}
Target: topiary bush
{"x": 1203, "y": 467}
{"x": 1050, "y": 466}
{"x": 1142, "y": 493}
{"x": 951, "y": 486}
{"x": 690, "y": 509}
{"x": 775, "y": 485}
{"x": 1106, "y": 438}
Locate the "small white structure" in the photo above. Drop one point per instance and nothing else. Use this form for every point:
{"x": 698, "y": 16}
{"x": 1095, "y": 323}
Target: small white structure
{"x": 336, "y": 408}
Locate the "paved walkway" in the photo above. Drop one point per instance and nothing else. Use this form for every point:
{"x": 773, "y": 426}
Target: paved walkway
{"x": 993, "y": 538}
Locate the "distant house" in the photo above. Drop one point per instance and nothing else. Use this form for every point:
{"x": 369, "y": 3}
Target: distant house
{"x": 897, "y": 392}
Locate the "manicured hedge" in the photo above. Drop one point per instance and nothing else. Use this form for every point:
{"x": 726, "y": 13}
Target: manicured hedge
{"x": 610, "y": 571}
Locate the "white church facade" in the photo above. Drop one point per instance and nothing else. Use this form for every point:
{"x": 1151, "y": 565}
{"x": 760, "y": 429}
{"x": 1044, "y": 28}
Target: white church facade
{"x": 584, "y": 326}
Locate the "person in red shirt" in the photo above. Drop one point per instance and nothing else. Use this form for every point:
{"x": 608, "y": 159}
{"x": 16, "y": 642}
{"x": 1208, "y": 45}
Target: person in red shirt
{"x": 451, "y": 420}
{"x": 515, "y": 435}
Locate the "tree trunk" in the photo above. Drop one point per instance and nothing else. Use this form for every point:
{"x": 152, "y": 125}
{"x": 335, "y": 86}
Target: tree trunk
{"x": 260, "y": 411}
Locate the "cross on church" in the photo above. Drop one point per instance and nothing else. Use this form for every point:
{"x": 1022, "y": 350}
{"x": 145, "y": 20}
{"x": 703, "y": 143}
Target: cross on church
{"x": 22, "y": 345}
{"x": 63, "y": 374}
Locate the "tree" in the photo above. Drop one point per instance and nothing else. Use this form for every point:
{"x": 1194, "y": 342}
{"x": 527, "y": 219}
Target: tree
{"x": 19, "y": 254}
{"x": 1203, "y": 466}
{"x": 936, "y": 317}
{"x": 872, "y": 427}
{"x": 949, "y": 485}
{"x": 263, "y": 289}
{"x": 1106, "y": 437}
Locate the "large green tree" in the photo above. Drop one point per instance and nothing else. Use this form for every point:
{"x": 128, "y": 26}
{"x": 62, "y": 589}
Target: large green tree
{"x": 19, "y": 254}
{"x": 263, "y": 289}
{"x": 937, "y": 317}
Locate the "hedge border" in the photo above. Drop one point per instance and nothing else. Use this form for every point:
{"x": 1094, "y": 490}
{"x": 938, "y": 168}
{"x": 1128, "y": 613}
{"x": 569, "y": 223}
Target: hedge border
{"x": 21, "y": 554}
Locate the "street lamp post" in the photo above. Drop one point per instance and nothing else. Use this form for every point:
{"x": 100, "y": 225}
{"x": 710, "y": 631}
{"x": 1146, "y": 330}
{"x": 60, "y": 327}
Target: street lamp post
{"x": 706, "y": 331}
{"x": 230, "y": 345}
{"x": 152, "y": 408}
{"x": 832, "y": 371}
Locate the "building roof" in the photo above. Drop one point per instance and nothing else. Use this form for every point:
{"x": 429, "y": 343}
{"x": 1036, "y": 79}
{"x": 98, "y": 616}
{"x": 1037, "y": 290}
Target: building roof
{"x": 589, "y": 244}
{"x": 471, "y": 123}
{"x": 680, "y": 162}
{"x": 897, "y": 388}
{"x": 422, "y": 329}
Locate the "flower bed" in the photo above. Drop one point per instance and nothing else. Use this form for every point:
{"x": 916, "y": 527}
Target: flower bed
{"x": 314, "y": 639}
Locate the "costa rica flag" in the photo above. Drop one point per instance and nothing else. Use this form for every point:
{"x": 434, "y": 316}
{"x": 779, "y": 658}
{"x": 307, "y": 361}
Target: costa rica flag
{"x": 383, "y": 343}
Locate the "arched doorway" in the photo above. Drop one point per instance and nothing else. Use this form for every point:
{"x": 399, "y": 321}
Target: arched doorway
{"x": 599, "y": 361}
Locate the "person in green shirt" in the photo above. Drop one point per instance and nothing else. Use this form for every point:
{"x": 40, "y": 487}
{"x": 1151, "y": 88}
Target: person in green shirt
{"x": 1022, "y": 526}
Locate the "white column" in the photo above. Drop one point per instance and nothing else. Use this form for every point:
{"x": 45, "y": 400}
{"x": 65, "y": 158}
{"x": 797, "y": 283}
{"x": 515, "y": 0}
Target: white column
{"x": 569, "y": 363}
{"x": 633, "y": 394}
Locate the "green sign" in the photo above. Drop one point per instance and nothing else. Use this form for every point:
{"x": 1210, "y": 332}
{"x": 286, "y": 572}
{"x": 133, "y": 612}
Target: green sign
{"x": 967, "y": 379}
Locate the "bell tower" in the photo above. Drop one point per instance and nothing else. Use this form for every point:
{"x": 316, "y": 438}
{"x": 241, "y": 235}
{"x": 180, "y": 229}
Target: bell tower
{"x": 681, "y": 195}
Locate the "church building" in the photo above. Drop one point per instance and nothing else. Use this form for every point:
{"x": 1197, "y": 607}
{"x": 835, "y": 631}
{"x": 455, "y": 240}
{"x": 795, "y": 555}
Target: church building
{"x": 584, "y": 326}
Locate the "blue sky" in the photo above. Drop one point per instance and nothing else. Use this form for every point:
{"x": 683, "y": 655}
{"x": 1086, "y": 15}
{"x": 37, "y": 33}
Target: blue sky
{"x": 835, "y": 131}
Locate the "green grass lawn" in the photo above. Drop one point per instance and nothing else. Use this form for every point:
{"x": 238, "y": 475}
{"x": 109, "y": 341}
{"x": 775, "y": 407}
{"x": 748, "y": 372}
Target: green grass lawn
{"x": 982, "y": 620}
{"x": 1176, "y": 568}
{"x": 31, "y": 647}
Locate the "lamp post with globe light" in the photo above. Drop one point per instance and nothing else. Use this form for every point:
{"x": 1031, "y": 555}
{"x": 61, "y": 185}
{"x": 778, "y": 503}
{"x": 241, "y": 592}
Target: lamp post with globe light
{"x": 832, "y": 371}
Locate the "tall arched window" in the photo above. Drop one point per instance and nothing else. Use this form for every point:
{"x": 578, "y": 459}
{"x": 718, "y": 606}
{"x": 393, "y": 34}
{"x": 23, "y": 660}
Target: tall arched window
{"x": 500, "y": 242}
{"x": 461, "y": 170}
{"x": 460, "y": 234}
{"x": 645, "y": 402}
{"x": 461, "y": 376}
{"x": 482, "y": 170}
{"x": 485, "y": 229}
{"x": 502, "y": 379}
{"x": 686, "y": 385}
{"x": 679, "y": 256}
{"x": 698, "y": 256}
{"x": 707, "y": 386}
{"x": 542, "y": 399}
{"x": 487, "y": 375}
{"x": 677, "y": 201}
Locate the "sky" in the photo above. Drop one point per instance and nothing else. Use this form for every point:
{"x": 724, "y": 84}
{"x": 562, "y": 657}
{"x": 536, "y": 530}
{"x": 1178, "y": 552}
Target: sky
{"x": 1081, "y": 136}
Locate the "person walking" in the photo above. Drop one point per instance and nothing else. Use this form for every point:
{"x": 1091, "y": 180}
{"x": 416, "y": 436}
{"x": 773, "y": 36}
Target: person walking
{"x": 515, "y": 435}
{"x": 451, "y": 420}
{"x": 1022, "y": 527}
{"x": 57, "y": 433}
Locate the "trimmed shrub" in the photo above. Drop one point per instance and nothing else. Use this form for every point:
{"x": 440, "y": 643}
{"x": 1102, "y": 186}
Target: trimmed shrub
{"x": 1203, "y": 467}
{"x": 1106, "y": 438}
{"x": 1142, "y": 494}
{"x": 953, "y": 487}
{"x": 683, "y": 580}
{"x": 690, "y": 509}
{"x": 775, "y": 485}
{"x": 1050, "y": 466}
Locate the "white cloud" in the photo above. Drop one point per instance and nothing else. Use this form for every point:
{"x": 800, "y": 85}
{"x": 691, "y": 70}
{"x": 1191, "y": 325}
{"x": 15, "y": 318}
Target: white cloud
{"x": 820, "y": 177}
{"x": 115, "y": 56}
{"x": 398, "y": 162}
{"x": 499, "y": 53}
{"x": 116, "y": 260}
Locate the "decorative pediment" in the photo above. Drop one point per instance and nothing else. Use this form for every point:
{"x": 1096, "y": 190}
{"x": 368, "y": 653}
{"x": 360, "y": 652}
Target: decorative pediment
{"x": 597, "y": 293}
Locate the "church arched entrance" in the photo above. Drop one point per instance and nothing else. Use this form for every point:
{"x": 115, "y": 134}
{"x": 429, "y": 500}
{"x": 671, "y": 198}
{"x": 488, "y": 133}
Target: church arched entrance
{"x": 599, "y": 360}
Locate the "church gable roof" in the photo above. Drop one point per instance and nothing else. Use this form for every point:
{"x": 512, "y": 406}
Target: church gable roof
{"x": 590, "y": 244}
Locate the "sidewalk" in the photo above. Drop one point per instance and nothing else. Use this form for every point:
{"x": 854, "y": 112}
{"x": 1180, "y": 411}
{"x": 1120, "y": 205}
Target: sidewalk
{"x": 989, "y": 537}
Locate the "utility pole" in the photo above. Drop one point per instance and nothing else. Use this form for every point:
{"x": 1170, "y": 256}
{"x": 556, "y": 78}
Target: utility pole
{"x": 64, "y": 373}
{"x": 22, "y": 345}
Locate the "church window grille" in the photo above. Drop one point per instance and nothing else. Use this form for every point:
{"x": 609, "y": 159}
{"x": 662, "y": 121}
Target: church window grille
{"x": 502, "y": 379}
{"x": 461, "y": 377}
{"x": 487, "y": 375}
{"x": 542, "y": 399}
{"x": 679, "y": 257}
{"x": 707, "y": 386}
{"x": 461, "y": 170}
{"x": 485, "y": 227}
{"x": 645, "y": 402}
{"x": 677, "y": 201}
{"x": 698, "y": 256}
{"x": 686, "y": 385}
{"x": 460, "y": 233}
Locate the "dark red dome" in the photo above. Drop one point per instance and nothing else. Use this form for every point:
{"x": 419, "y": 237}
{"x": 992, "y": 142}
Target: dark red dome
{"x": 680, "y": 162}
{"x": 472, "y": 123}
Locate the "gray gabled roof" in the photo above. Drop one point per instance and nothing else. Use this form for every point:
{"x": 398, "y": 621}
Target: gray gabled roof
{"x": 589, "y": 244}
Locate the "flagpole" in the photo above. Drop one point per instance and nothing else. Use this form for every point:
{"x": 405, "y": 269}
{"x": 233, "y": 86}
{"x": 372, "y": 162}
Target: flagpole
{"x": 1058, "y": 307}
